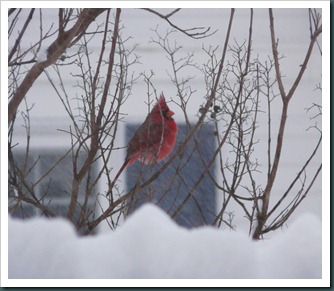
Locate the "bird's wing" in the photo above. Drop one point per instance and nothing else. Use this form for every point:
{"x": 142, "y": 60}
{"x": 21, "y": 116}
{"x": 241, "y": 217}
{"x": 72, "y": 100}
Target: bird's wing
{"x": 147, "y": 136}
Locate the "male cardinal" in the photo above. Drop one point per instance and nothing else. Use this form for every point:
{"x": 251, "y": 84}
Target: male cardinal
{"x": 154, "y": 139}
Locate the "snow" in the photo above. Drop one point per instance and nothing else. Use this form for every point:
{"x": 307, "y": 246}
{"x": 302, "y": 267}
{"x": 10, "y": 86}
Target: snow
{"x": 42, "y": 55}
{"x": 150, "y": 245}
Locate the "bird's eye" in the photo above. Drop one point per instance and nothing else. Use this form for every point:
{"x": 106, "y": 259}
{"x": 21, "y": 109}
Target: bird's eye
{"x": 165, "y": 113}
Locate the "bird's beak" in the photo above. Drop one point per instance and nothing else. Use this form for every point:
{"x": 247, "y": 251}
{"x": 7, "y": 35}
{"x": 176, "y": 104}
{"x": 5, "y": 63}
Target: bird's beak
{"x": 169, "y": 113}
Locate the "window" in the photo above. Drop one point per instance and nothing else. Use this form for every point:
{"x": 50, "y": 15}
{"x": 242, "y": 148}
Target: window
{"x": 45, "y": 178}
{"x": 173, "y": 186}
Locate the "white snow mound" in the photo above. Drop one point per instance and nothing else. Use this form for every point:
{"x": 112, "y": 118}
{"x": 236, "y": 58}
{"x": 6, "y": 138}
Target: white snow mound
{"x": 150, "y": 245}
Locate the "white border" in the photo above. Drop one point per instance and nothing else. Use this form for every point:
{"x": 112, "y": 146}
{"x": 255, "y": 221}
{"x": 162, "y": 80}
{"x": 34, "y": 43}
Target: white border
{"x": 325, "y": 281}
{"x": 164, "y": 4}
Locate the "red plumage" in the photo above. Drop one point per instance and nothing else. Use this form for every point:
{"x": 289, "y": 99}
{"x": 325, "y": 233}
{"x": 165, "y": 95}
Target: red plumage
{"x": 154, "y": 139}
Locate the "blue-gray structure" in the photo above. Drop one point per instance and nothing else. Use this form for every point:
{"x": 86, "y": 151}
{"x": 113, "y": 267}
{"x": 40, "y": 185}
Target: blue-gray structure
{"x": 173, "y": 187}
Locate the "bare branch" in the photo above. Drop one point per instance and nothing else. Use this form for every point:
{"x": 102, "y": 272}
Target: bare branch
{"x": 55, "y": 50}
{"x": 96, "y": 124}
{"x": 263, "y": 215}
{"x": 195, "y": 32}
{"x": 18, "y": 40}
{"x": 274, "y": 45}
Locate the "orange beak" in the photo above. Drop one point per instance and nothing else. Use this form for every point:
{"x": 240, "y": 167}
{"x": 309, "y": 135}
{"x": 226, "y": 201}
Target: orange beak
{"x": 170, "y": 113}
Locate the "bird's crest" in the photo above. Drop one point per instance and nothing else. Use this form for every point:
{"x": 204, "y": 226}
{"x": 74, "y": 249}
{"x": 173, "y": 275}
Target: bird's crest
{"x": 161, "y": 104}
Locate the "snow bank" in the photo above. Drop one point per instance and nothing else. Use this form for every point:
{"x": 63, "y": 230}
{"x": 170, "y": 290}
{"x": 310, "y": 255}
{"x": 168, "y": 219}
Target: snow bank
{"x": 151, "y": 245}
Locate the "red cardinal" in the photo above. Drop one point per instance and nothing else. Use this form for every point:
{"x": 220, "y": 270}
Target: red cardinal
{"x": 154, "y": 139}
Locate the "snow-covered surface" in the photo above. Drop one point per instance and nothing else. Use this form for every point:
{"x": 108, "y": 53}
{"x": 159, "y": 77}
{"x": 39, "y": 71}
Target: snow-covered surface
{"x": 150, "y": 245}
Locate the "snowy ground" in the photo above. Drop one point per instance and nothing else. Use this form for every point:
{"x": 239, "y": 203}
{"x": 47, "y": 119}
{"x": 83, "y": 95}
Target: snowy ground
{"x": 150, "y": 245}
